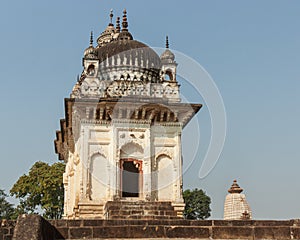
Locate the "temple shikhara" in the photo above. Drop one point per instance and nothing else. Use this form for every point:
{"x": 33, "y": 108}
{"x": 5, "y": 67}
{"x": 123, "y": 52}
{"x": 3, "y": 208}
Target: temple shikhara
{"x": 236, "y": 206}
{"x": 121, "y": 135}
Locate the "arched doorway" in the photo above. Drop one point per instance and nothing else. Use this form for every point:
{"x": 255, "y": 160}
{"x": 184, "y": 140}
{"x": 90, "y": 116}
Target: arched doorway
{"x": 131, "y": 177}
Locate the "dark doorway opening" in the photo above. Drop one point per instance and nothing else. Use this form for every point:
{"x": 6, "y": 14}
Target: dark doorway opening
{"x": 130, "y": 178}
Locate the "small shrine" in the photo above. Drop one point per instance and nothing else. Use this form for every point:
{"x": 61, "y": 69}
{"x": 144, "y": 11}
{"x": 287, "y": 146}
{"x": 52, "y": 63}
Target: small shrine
{"x": 236, "y": 206}
{"x": 121, "y": 135}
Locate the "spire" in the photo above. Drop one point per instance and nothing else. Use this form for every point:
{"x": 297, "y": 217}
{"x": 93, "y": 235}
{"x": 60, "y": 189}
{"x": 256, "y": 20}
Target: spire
{"x": 235, "y": 188}
{"x": 111, "y": 15}
{"x": 167, "y": 42}
{"x": 236, "y": 206}
{"x": 124, "y": 23}
{"x": 118, "y": 28}
{"x": 167, "y": 56}
{"x": 90, "y": 51}
{"x": 91, "y": 39}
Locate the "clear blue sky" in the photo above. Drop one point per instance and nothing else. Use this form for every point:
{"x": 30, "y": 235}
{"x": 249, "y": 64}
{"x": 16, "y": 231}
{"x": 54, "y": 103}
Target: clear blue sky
{"x": 250, "y": 48}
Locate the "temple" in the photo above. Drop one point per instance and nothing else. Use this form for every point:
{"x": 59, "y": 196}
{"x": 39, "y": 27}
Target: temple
{"x": 121, "y": 135}
{"x": 236, "y": 206}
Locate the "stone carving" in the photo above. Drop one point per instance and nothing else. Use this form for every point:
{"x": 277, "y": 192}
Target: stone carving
{"x": 76, "y": 159}
{"x": 148, "y": 197}
{"x": 127, "y": 84}
{"x": 122, "y": 135}
{"x": 142, "y": 136}
{"x": 116, "y": 197}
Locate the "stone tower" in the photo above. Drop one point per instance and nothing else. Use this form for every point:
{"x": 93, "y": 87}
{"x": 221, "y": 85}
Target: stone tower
{"x": 121, "y": 135}
{"x": 236, "y": 206}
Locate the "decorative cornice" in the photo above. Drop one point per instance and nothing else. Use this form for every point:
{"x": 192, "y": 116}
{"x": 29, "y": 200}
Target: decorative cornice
{"x": 131, "y": 121}
{"x": 92, "y": 121}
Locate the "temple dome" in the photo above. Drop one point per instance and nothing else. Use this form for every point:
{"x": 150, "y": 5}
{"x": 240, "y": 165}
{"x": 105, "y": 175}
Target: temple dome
{"x": 120, "y": 66}
{"x": 90, "y": 52}
{"x": 130, "y": 53}
{"x": 106, "y": 36}
{"x": 167, "y": 55}
{"x": 119, "y": 55}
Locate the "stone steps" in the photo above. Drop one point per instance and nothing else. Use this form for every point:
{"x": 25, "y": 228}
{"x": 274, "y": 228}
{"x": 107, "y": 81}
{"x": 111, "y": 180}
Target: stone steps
{"x": 145, "y": 212}
{"x": 88, "y": 210}
{"x": 142, "y": 217}
{"x": 140, "y": 210}
{"x": 145, "y": 207}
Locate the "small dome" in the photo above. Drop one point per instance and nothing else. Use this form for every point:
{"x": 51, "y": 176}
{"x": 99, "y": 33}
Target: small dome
{"x": 106, "y": 36}
{"x": 90, "y": 52}
{"x": 125, "y": 36}
{"x": 167, "y": 55}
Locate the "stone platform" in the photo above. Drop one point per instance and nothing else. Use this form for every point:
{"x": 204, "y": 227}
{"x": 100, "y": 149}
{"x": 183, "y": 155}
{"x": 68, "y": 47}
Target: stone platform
{"x": 34, "y": 227}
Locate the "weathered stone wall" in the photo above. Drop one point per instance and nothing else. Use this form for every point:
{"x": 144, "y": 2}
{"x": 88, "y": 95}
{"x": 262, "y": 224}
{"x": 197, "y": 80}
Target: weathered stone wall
{"x": 36, "y": 228}
{"x": 181, "y": 229}
{"x": 6, "y": 229}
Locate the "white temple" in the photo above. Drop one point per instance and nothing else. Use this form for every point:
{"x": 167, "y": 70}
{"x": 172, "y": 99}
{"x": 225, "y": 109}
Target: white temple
{"x": 236, "y": 206}
{"x": 121, "y": 136}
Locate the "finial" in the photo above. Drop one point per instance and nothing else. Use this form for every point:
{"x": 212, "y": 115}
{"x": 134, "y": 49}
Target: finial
{"x": 167, "y": 42}
{"x": 111, "y": 15}
{"x": 91, "y": 39}
{"x": 118, "y": 28}
{"x": 235, "y": 188}
{"x": 124, "y": 23}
